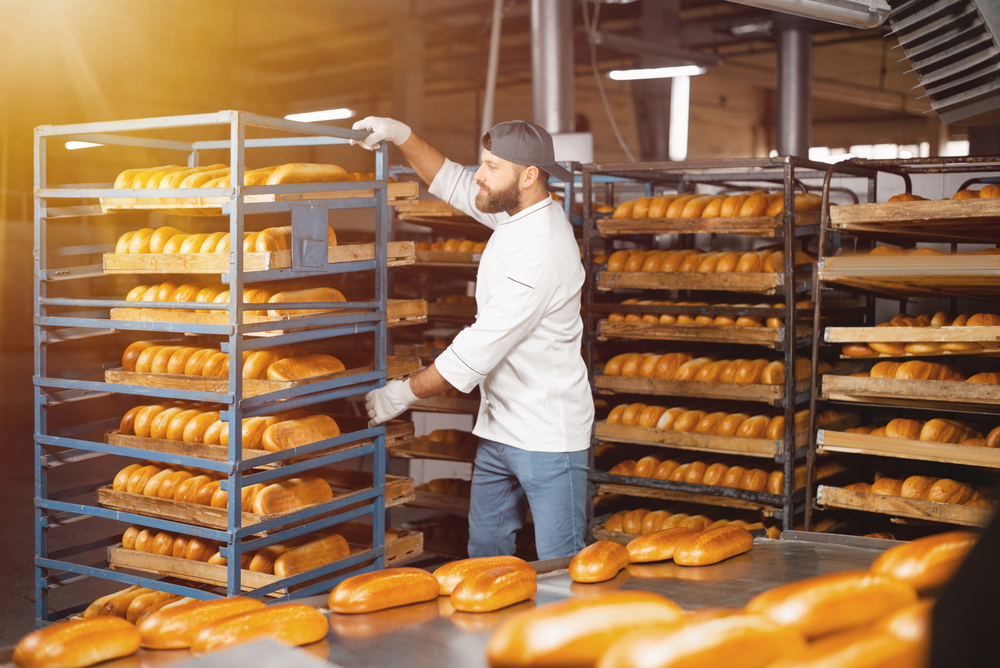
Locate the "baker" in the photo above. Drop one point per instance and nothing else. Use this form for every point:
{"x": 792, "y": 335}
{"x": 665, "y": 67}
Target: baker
{"x": 523, "y": 351}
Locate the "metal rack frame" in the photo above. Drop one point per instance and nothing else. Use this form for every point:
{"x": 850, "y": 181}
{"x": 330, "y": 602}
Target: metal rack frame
{"x": 90, "y": 319}
{"x": 829, "y": 239}
{"x": 787, "y": 171}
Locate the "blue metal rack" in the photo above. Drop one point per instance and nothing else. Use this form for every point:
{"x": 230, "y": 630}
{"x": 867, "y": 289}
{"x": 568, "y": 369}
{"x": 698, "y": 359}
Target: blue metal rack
{"x": 91, "y": 319}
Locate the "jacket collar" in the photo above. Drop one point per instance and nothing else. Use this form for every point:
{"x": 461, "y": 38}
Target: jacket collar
{"x": 527, "y": 212}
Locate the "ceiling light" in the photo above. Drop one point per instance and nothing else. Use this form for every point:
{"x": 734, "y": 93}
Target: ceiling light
{"x": 325, "y": 115}
{"x": 854, "y": 13}
{"x": 657, "y": 73}
{"x": 74, "y": 145}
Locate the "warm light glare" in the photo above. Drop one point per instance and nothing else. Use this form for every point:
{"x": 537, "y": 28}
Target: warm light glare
{"x": 680, "y": 111}
{"x": 657, "y": 73}
{"x": 74, "y": 145}
{"x": 326, "y": 115}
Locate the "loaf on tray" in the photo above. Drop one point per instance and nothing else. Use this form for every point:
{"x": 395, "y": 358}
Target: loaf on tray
{"x": 696, "y": 261}
{"x": 940, "y": 490}
{"x": 939, "y": 319}
{"x": 283, "y": 364}
{"x": 683, "y": 366}
{"x": 720, "y": 423}
{"x": 751, "y": 204}
{"x": 936, "y": 430}
{"x": 805, "y": 308}
{"x": 172, "y": 240}
{"x": 75, "y": 644}
{"x": 389, "y": 588}
{"x": 452, "y": 246}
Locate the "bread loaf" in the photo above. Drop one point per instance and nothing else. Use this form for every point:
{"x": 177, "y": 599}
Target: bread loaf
{"x": 659, "y": 545}
{"x": 576, "y": 632}
{"x": 449, "y": 575}
{"x": 598, "y": 562}
{"x": 304, "y": 366}
{"x": 888, "y": 487}
{"x": 859, "y": 648}
{"x": 287, "y": 495}
{"x": 290, "y": 624}
{"x": 495, "y": 588}
{"x": 747, "y": 641}
{"x": 916, "y": 487}
{"x": 713, "y": 546}
{"x": 926, "y": 563}
{"x": 75, "y": 644}
{"x": 389, "y": 588}
{"x": 829, "y": 603}
{"x": 300, "y": 431}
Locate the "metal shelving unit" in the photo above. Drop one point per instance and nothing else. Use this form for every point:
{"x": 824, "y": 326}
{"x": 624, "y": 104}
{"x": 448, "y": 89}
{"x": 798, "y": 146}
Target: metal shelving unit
{"x": 790, "y": 284}
{"x": 897, "y": 279}
{"x": 62, "y": 319}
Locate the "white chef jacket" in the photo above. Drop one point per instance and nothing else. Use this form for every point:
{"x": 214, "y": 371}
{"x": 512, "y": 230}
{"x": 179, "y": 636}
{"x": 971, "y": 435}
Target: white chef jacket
{"x": 524, "y": 348}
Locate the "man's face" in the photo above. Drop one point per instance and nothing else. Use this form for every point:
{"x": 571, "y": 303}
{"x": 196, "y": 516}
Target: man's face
{"x": 498, "y": 182}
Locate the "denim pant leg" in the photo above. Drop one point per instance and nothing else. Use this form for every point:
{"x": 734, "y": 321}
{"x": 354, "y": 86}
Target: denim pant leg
{"x": 556, "y": 486}
{"x": 498, "y": 507}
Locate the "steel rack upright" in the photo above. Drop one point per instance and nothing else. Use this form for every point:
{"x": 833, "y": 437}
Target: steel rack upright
{"x": 83, "y": 326}
{"x": 790, "y": 284}
{"x": 971, "y": 285}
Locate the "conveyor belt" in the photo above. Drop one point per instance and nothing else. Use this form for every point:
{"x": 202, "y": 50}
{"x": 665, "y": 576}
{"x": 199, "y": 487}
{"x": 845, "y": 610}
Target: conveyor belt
{"x": 433, "y": 635}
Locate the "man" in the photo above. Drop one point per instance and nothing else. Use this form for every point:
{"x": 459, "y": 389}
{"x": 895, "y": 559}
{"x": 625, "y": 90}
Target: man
{"x": 523, "y": 350}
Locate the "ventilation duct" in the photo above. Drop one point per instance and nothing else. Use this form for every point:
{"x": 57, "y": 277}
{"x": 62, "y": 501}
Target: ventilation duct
{"x": 854, "y": 13}
{"x": 954, "y": 49}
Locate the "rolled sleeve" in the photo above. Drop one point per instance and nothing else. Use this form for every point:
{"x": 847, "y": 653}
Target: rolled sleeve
{"x": 515, "y": 307}
{"x": 454, "y": 184}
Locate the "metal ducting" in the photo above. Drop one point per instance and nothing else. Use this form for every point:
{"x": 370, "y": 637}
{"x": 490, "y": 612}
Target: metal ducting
{"x": 854, "y": 13}
{"x": 954, "y": 48}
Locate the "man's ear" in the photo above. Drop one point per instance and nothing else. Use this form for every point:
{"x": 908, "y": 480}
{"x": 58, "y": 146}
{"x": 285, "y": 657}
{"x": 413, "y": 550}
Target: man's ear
{"x": 529, "y": 176}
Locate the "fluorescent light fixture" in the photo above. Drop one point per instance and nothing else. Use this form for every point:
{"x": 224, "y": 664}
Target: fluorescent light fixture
{"x": 74, "y": 145}
{"x": 855, "y": 13}
{"x": 680, "y": 110}
{"x": 325, "y": 115}
{"x": 657, "y": 73}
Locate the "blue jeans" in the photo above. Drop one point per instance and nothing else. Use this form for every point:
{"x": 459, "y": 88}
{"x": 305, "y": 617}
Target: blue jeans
{"x": 506, "y": 481}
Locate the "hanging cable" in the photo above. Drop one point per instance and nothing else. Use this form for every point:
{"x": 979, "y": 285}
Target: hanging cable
{"x": 591, "y": 27}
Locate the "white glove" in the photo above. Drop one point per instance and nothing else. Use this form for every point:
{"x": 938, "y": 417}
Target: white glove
{"x": 388, "y": 402}
{"x": 381, "y": 128}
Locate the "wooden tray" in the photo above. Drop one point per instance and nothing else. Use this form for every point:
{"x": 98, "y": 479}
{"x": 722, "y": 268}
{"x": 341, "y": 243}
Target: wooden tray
{"x": 457, "y": 311}
{"x": 975, "y": 220}
{"x": 448, "y": 258}
{"x": 399, "y": 253}
{"x": 929, "y": 393}
{"x": 828, "y": 441}
{"x": 426, "y": 355}
{"x": 759, "y": 226}
{"x": 442, "y": 404}
{"x": 400, "y": 545}
{"x": 398, "y": 432}
{"x": 706, "y": 498}
{"x": 760, "y": 283}
{"x": 396, "y": 366}
{"x": 771, "y": 337}
{"x": 398, "y": 490}
{"x": 453, "y": 504}
{"x": 972, "y": 276}
{"x": 948, "y": 513}
{"x": 684, "y": 440}
{"x": 771, "y": 394}
{"x": 916, "y": 334}
{"x": 398, "y": 312}
{"x": 422, "y": 448}
{"x": 620, "y": 537}
{"x": 212, "y": 206}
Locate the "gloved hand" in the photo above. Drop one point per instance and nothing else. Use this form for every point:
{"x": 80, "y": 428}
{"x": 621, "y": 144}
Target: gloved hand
{"x": 386, "y": 403}
{"x": 381, "y": 128}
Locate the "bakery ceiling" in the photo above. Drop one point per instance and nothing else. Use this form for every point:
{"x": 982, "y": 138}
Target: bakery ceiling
{"x": 853, "y": 13}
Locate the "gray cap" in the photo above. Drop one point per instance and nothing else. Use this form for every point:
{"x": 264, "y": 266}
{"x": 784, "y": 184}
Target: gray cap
{"x": 526, "y": 144}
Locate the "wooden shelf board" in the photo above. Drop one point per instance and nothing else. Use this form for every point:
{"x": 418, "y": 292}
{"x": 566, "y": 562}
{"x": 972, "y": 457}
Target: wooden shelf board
{"x": 459, "y": 311}
{"x": 760, "y": 283}
{"x": 771, "y": 394}
{"x": 973, "y": 220}
{"x": 830, "y": 441}
{"x": 707, "y": 498}
{"x": 947, "y": 513}
{"x": 684, "y": 440}
{"x": 212, "y": 206}
{"x": 422, "y": 448}
{"x": 972, "y": 276}
{"x": 937, "y": 392}
{"x": 910, "y": 334}
{"x": 397, "y": 366}
{"x": 398, "y": 312}
{"x": 760, "y": 226}
{"x": 453, "y": 504}
{"x": 399, "y": 253}
{"x": 770, "y": 337}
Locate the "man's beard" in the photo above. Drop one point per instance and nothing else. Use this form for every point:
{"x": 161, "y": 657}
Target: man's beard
{"x": 499, "y": 201}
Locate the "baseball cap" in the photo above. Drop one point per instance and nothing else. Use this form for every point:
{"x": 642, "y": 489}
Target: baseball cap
{"x": 526, "y": 144}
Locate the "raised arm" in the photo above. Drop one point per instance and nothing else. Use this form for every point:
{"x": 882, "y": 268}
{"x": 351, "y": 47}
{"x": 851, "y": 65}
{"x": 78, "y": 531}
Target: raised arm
{"x": 424, "y": 158}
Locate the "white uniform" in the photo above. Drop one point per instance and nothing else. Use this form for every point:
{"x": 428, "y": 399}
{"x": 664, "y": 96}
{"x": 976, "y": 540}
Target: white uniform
{"x": 524, "y": 350}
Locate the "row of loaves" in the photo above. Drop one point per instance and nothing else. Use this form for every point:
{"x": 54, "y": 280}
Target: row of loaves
{"x": 986, "y": 192}
{"x": 171, "y": 240}
{"x": 686, "y": 319}
{"x": 218, "y": 176}
{"x": 642, "y": 521}
{"x": 452, "y": 246}
{"x": 745, "y": 205}
{"x": 887, "y": 251}
{"x": 920, "y": 370}
{"x": 682, "y": 366}
{"x": 939, "y": 319}
{"x": 279, "y": 364}
{"x": 936, "y": 430}
{"x": 188, "y": 485}
{"x": 718, "y": 423}
{"x": 939, "y": 490}
{"x": 719, "y": 474}
{"x": 696, "y": 261}
{"x": 198, "y": 293}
